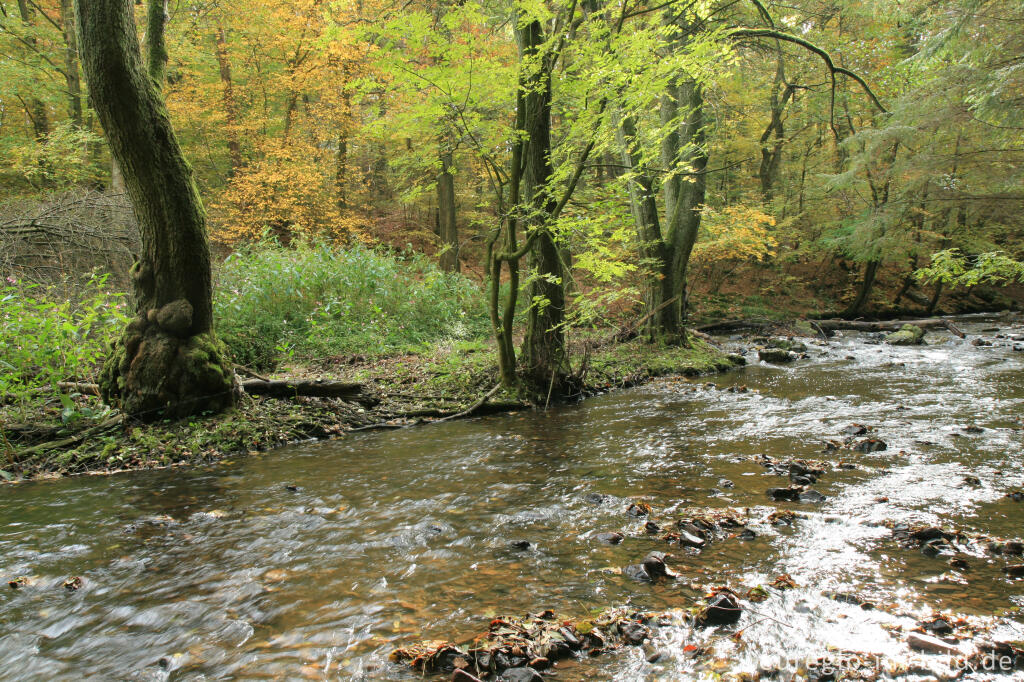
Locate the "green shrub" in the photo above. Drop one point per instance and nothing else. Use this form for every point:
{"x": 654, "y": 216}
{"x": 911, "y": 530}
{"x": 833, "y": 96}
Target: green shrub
{"x": 45, "y": 341}
{"x": 312, "y": 301}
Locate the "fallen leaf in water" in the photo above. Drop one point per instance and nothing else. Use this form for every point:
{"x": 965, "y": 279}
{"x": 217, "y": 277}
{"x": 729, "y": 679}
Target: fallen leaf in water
{"x": 275, "y": 575}
{"x": 73, "y": 583}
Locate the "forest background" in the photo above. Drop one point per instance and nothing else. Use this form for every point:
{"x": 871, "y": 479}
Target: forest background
{"x": 358, "y": 165}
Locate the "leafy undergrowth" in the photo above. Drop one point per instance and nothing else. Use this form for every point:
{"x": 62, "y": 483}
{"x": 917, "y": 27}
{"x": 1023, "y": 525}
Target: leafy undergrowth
{"x": 308, "y": 301}
{"x": 401, "y": 391}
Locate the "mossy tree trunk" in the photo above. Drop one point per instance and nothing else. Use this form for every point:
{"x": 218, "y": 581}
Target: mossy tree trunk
{"x": 168, "y": 362}
{"x": 544, "y": 343}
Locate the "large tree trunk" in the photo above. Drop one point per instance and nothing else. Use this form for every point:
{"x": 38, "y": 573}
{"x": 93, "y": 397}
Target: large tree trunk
{"x": 168, "y": 363}
{"x": 448, "y": 229}
{"x": 544, "y": 343}
{"x": 684, "y": 214}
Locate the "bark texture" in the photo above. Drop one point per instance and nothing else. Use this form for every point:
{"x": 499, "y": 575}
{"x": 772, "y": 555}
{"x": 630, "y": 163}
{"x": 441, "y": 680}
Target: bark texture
{"x": 544, "y": 343}
{"x": 168, "y": 362}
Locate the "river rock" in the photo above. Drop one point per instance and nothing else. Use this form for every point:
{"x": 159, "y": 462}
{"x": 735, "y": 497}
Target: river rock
{"x": 522, "y": 545}
{"x": 855, "y": 430}
{"x": 721, "y": 609}
{"x": 610, "y": 538}
{"x": 634, "y": 634}
{"x": 812, "y": 496}
{"x": 1014, "y": 570}
{"x": 908, "y": 335}
{"x": 870, "y": 445}
{"x": 776, "y": 355}
{"x": 934, "y": 645}
{"x": 790, "y": 494}
{"x": 652, "y": 568}
{"x": 522, "y": 674}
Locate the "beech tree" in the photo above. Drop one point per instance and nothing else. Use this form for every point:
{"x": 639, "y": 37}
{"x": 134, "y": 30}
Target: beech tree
{"x": 168, "y": 362}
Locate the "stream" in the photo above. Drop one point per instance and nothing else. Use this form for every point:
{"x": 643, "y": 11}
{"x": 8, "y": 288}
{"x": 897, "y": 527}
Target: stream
{"x": 315, "y": 561}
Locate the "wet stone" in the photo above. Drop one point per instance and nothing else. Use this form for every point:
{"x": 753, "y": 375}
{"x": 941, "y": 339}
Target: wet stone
{"x": 651, "y": 528}
{"x": 722, "y": 609}
{"x": 855, "y": 430}
{"x": 726, "y": 483}
{"x": 870, "y": 445}
{"x": 811, "y": 496}
{"x": 596, "y": 498}
{"x": 520, "y": 674}
{"x": 522, "y": 545}
{"x": 790, "y": 494}
{"x": 610, "y": 538}
{"x": 1014, "y": 570}
{"x": 634, "y": 634}
{"x": 747, "y": 534}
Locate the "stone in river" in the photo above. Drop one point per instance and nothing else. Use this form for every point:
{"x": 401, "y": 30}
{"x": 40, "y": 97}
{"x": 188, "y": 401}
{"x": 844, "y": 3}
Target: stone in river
{"x": 610, "y": 538}
{"x": 522, "y": 674}
{"x": 933, "y": 645}
{"x": 722, "y": 609}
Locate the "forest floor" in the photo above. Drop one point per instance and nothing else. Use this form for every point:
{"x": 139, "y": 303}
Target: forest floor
{"x": 399, "y": 391}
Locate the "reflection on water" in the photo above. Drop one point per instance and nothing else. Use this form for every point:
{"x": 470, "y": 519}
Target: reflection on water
{"x": 316, "y": 560}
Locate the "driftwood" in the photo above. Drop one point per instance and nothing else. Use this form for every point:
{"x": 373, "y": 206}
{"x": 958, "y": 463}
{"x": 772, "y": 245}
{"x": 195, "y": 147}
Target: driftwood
{"x": 892, "y": 326}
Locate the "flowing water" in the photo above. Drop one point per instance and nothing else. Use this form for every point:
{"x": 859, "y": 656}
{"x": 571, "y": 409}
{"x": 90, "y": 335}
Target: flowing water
{"x": 316, "y": 560}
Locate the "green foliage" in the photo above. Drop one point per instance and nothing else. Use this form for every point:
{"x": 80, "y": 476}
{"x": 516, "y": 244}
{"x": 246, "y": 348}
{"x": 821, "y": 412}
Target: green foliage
{"x": 952, "y": 267}
{"x": 64, "y": 159}
{"x": 312, "y": 301}
{"x": 46, "y": 342}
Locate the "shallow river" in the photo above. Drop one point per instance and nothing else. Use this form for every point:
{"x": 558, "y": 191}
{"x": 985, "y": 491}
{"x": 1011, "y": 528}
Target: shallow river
{"x": 316, "y": 560}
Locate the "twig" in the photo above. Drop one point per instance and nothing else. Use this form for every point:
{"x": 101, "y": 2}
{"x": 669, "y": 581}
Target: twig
{"x": 78, "y": 437}
{"x": 476, "y": 406}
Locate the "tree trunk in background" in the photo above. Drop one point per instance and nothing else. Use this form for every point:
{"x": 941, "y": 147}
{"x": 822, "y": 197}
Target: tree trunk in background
{"x": 448, "y": 229}
{"x": 870, "y": 272}
{"x": 544, "y": 343}
{"x": 773, "y": 137}
{"x": 684, "y": 201}
{"x": 168, "y": 362}
{"x": 643, "y": 202}
{"x": 156, "y": 44}
{"x": 71, "y": 76}
{"x": 36, "y": 108}
{"x": 228, "y": 97}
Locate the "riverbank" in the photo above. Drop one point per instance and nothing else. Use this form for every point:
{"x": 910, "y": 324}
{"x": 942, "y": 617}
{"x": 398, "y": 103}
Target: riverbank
{"x": 398, "y": 391}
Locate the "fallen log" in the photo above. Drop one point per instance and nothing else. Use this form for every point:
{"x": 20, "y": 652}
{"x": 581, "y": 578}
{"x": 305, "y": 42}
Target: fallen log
{"x": 316, "y": 388}
{"x": 312, "y": 389}
{"x": 726, "y": 326}
{"x": 891, "y": 326}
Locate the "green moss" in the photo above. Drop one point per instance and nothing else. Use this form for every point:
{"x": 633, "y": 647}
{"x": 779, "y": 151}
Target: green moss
{"x": 908, "y": 335}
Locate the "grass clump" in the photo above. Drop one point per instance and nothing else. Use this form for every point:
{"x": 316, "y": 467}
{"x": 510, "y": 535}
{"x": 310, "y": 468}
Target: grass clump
{"x": 311, "y": 301}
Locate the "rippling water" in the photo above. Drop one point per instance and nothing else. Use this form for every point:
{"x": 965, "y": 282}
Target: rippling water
{"x": 314, "y": 561}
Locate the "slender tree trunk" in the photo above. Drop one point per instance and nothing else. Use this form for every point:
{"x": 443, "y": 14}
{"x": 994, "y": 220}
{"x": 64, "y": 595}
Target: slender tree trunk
{"x": 659, "y": 289}
{"x": 168, "y": 363}
{"x": 36, "y": 108}
{"x": 864, "y": 292}
{"x": 773, "y": 137}
{"x": 228, "y": 97}
{"x": 448, "y": 229}
{"x": 71, "y": 75}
